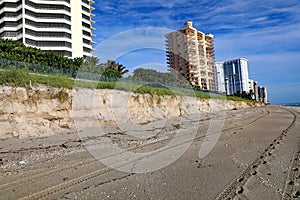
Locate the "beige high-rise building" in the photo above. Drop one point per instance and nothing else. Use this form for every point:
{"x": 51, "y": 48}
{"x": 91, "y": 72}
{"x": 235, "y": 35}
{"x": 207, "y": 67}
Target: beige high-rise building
{"x": 191, "y": 52}
{"x": 64, "y": 26}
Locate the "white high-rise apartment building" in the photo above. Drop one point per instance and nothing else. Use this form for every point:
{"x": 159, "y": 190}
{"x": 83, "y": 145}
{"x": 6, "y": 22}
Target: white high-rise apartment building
{"x": 236, "y": 76}
{"x": 64, "y": 26}
{"x": 191, "y": 53}
{"x": 220, "y": 77}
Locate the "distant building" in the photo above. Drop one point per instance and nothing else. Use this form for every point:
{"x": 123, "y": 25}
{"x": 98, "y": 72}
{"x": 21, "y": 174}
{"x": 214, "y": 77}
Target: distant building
{"x": 253, "y": 90}
{"x": 64, "y": 26}
{"x": 220, "y": 77}
{"x": 236, "y": 76}
{"x": 232, "y": 78}
{"x": 263, "y": 95}
{"x": 256, "y": 91}
{"x": 191, "y": 52}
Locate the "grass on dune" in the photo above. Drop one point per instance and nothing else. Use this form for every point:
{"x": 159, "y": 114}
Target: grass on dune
{"x": 21, "y": 78}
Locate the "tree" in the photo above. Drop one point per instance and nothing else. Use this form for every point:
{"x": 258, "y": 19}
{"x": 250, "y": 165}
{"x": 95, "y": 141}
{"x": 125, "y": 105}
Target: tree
{"x": 150, "y": 75}
{"x": 78, "y": 61}
{"x": 122, "y": 69}
{"x": 111, "y": 73}
{"x": 117, "y": 67}
{"x": 36, "y": 60}
{"x": 91, "y": 61}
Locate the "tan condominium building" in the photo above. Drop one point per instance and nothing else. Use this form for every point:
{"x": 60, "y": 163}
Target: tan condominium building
{"x": 64, "y": 26}
{"x": 191, "y": 52}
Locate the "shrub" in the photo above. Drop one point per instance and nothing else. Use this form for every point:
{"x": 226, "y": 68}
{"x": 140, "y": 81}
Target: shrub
{"x": 62, "y": 96}
{"x": 14, "y": 77}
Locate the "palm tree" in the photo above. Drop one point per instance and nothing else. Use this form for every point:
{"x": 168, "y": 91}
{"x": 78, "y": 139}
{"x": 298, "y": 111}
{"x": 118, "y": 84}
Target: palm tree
{"x": 122, "y": 69}
{"x": 78, "y": 61}
{"x": 117, "y": 67}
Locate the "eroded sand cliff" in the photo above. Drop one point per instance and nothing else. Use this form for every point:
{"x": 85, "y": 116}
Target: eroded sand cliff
{"x": 43, "y": 111}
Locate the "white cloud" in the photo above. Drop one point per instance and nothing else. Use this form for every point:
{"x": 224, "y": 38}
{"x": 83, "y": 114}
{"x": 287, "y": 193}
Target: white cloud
{"x": 132, "y": 40}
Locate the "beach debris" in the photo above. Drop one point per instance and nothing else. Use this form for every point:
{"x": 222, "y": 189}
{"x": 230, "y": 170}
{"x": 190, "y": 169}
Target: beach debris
{"x": 65, "y": 178}
{"x": 240, "y": 190}
{"x": 264, "y": 162}
{"x": 296, "y": 194}
{"x": 21, "y": 162}
{"x": 240, "y": 179}
{"x": 295, "y": 169}
{"x": 176, "y": 126}
{"x": 290, "y": 182}
{"x": 71, "y": 144}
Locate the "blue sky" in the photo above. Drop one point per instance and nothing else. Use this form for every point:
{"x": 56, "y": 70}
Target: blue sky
{"x": 267, "y": 33}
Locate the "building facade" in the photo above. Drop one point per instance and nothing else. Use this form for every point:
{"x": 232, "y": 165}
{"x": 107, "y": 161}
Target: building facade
{"x": 191, "y": 53}
{"x": 253, "y": 90}
{"x": 263, "y": 94}
{"x": 220, "y": 77}
{"x": 63, "y": 26}
{"x": 236, "y": 76}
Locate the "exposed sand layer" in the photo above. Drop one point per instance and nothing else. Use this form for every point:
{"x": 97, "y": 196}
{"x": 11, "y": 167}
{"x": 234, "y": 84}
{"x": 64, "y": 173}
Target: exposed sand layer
{"x": 40, "y": 112}
{"x": 256, "y": 157}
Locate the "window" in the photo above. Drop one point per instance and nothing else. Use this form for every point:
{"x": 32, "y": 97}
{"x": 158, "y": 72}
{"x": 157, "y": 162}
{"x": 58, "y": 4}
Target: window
{"x": 11, "y": 33}
{"x": 47, "y": 6}
{"x": 48, "y": 43}
{"x": 11, "y": 4}
{"x": 48, "y": 34}
{"x": 85, "y": 9}
{"x": 48, "y": 15}
{"x": 87, "y": 50}
{"x": 86, "y": 25}
{"x": 10, "y": 23}
{"x": 85, "y": 41}
{"x": 86, "y": 33}
{"x": 11, "y": 14}
{"x": 47, "y": 25}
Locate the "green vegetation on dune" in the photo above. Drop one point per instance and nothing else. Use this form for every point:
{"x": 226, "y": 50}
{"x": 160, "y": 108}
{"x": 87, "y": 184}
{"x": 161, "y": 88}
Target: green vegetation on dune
{"x": 13, "y": 53}
{"x": 20, "y": 77}
{"x": 153, "y": 76}
{"x": 22, "y": 66}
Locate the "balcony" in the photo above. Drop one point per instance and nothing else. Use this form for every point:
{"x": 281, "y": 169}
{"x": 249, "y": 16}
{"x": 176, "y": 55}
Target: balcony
{"x": 209, "y": 44}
